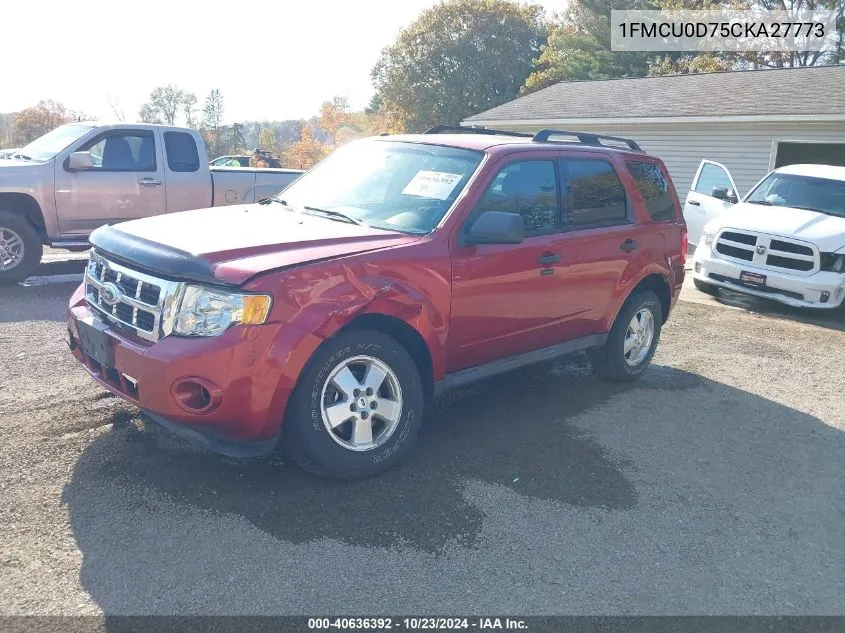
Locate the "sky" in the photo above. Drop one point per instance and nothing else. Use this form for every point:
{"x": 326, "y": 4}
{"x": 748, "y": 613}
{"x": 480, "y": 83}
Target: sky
{"x": 271, "y": 60}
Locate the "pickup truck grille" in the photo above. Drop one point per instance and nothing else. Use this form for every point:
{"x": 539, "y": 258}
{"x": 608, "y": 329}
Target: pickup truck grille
{"x": 132, "y": 300}
{"x": 768, "y": 251}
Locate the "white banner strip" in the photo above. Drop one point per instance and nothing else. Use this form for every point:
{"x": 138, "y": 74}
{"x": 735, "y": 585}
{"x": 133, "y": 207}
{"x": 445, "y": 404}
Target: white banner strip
{"x": 723, "y": 31}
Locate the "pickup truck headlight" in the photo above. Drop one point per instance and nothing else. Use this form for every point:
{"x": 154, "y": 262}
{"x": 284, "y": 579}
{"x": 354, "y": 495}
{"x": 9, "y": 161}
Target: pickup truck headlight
{"x": 210, "y": 312}
{"x": 708, "y": 237}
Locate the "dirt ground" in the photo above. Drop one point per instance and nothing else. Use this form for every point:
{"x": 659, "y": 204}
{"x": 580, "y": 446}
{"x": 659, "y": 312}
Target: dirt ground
{"x": 713, "y": 485}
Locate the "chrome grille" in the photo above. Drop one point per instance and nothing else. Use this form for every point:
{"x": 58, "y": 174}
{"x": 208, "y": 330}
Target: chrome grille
{"x": 768, "y": 251}
{"x": 135, "y": 301}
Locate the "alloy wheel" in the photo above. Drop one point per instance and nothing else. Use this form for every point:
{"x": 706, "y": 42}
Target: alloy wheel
{"x": 11, "y": 249}
{"x": 361, "y": 403}
{"x": 639, "y": 337}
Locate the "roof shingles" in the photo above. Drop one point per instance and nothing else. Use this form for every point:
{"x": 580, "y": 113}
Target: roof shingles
{"x": 813, "y": 90}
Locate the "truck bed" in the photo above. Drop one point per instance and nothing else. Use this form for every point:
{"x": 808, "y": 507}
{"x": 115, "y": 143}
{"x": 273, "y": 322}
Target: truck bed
{"x": 236, "y": 185}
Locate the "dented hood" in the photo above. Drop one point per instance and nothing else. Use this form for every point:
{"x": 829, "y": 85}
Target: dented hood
{"x": 232, "y": 244}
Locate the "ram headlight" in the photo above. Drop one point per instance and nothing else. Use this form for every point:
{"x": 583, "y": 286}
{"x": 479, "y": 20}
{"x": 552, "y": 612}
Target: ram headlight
{"x": 210, "y": 312}
{"x": 707, "y": 237}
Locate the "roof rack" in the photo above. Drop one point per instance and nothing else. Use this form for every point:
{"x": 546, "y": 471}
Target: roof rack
{"x": 452, "y": 129}
{"x": 587, "y": 138}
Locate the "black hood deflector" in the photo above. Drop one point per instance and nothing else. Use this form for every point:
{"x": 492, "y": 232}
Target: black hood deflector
{"x": 158, "y": 259}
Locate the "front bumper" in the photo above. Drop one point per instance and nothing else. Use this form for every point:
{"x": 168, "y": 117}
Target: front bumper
{"x": 248, "y": 392}
{"x": 793, "y": 290}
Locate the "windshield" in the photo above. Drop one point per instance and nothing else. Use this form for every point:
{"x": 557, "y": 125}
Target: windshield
{"x": 47, "y": 146}
{"x": 397, "y": 186}
{"x": 802, "y": 192}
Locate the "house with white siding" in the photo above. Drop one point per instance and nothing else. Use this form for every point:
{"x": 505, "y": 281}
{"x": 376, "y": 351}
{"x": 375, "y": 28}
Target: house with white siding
{"x": 750, "y": 121}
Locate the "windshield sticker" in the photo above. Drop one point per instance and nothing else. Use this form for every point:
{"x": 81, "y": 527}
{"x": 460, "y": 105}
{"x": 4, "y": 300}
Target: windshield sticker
{"x": 432, "y": 184}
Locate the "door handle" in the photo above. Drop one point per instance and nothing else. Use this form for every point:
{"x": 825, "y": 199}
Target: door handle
{"x": 694, "y": 203}
{"x": 547, "y": 259}
{"x": 149, "y": 182}
{"x": 629, "y": 245}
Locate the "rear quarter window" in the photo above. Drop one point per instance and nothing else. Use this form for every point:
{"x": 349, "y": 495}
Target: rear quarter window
{"x": 181, "y": 149}
{"x": 653, "y": 184}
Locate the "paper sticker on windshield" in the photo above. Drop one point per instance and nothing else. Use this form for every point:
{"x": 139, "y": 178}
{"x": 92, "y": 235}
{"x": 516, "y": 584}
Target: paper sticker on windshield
{"x": 432, "y": 184}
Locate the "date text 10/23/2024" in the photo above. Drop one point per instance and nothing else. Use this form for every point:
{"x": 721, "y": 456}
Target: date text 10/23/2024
{"x": 416, "y": 623}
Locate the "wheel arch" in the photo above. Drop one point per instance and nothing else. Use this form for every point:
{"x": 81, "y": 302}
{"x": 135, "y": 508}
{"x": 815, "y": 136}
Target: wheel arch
{"x": 27, "y": 206}
{"x": 658, "y": 284}
{"x": 406, "y": 335}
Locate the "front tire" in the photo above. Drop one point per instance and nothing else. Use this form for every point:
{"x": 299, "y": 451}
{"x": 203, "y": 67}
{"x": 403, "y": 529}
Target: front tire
{"x": 20, "y": 248}
{"x": 633, "y": 339}
{"x": 357, "y": 408}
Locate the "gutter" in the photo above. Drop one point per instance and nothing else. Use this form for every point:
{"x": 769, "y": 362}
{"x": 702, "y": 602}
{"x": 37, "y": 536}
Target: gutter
{"x": 563, "y": 123}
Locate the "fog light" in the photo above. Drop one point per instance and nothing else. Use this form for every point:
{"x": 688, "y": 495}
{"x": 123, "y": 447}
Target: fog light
{"x": 697, "y": 267}
{"x": 825, "y": 296}
{"x": 196, "y": 395}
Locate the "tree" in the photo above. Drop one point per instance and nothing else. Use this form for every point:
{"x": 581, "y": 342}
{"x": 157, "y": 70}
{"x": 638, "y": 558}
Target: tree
{"x": 116, "y": 108}
{"x": 689, "y": 64}
{"x": 212, "y": 119}
{"x": 710, "y": 62}
{"x": 578, "y": 47}
{"x": 458, "y": 58}
{"x": 579, "y": 44}
{"x": 5, "y": 130}
{"x": 307, "y": 151}
{"x": 165, "y": 103}
{"x": 31, "y": 123}
{"x": 236, "y": 139}
{"x": 267, "y": 139}
{"x": 796, "y": 58}
{"x": 334, "y": 115}
{"x": 192, "y": 118}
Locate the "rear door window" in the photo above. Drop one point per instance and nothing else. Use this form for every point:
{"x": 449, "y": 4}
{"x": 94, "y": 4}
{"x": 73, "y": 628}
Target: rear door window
{"x": 654, "y": 187}
{"x": 182, "y": 154}
{"x": 593, "y": 194}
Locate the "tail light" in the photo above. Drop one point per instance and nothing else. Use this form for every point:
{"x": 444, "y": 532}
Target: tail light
{"x": 684, "y": 245}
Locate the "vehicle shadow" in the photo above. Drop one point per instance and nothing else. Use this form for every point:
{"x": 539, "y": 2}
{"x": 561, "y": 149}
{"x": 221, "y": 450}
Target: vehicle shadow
{"x": 513, "y": 432}
{"x": 830, "y": 319}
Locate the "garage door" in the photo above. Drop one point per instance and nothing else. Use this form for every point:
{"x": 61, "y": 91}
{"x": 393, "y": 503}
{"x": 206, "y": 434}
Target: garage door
{"x": 812, "y": 153}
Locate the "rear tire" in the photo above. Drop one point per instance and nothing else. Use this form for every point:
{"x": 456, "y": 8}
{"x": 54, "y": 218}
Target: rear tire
{"x": 20, "y": 248}
{"x": 708, "y": 289}
{"x": 357, "y": 408}
{"x": 632, "y": 341}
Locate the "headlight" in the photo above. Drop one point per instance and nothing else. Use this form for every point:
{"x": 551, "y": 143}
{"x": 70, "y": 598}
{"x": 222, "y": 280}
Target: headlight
{"x": 209, "y": 312}
{"x": 708, "y": 238}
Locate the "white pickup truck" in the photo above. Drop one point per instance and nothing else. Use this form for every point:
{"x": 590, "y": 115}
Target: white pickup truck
{"x": 81, "y": 176}
{"x": 784, "y": 241}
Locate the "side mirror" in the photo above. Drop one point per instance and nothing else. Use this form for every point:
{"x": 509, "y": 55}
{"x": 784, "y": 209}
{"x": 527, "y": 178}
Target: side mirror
{"x": 723, "y": 193}
{"x": 80, "y": 161}
{"x": 496, "y": 227}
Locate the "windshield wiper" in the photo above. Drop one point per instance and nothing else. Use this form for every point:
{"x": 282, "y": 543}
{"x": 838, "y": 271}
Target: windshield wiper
{"x": 763, "y": 202}
{"x": 335, "y": 215}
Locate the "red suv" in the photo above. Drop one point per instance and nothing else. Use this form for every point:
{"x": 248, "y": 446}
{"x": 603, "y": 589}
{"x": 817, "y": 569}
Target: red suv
{"x": 399, "y": 267}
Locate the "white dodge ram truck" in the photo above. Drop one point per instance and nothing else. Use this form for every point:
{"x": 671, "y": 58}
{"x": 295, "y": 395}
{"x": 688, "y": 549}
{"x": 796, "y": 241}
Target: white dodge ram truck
{"x": 81, "y": 176}
{"x": 785, "y": 240}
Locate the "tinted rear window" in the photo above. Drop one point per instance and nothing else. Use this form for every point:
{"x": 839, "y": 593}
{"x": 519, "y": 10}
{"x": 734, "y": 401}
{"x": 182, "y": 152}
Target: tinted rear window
{"x": 596, "y": 197}
{"x": 181, "y": 151}
{"x": 654, "y": 187}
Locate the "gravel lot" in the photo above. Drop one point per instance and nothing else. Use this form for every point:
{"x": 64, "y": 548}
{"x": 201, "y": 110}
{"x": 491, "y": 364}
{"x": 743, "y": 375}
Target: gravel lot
{"x": 714, "y": 485}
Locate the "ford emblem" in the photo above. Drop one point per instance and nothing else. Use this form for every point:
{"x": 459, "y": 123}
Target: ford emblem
{"x": 110, "y": 294}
